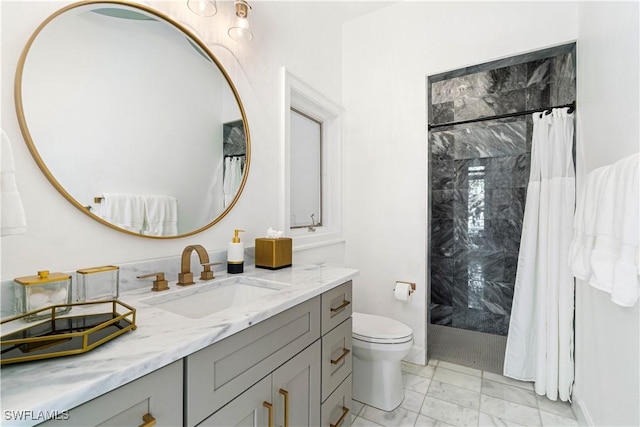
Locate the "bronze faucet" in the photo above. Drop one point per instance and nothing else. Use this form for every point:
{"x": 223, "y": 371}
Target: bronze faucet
{"x": 160, "y": 284}
{"x": 185, "y": 277}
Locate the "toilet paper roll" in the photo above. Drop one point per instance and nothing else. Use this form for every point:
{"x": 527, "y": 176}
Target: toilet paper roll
{"x": 402, "y": 291}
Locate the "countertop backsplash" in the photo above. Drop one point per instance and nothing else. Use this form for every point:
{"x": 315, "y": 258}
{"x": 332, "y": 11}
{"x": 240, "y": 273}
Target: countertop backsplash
{"x": 170, "y": 266}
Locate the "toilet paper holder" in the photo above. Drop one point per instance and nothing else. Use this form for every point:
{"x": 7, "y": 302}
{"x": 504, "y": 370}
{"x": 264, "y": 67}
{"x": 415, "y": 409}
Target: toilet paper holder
{"x": 412, "y": 286}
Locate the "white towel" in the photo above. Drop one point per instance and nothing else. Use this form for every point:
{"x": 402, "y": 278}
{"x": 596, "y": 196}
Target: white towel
{"x": 161, "y": 213}
{"x": 605, "y": 250}
{"x": 13, "y": 220}
{"x": 123, "y": 210}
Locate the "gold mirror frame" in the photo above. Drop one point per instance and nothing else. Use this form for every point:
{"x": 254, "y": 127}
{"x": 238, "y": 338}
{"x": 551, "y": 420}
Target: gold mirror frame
{"x": 40, "y": 162}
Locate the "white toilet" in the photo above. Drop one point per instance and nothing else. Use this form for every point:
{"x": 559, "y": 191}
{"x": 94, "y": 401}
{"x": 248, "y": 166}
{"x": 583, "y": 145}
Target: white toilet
{"x": 379, "y": 344}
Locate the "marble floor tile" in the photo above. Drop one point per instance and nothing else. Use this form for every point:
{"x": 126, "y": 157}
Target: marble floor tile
{"x": 510, "y": 411}
{"x": 356, "y": 407}
{"x": 444, "y": 394}
{"x": 424, "y": 421}
{"x": 486, "y": 420}
{"x": 415, "y": 383}
{"x": 460, "y": 368}
{"x": 448, "y": 412}
{"x": 399, "y": 417}
{"x": 453, "y": 394}
{"x": 412, "y": 400}
{"x": 509, "y": 392}
{"x": 506, "y": 380}
{"x": 459, "y": 379}
{"x": 553, "y": 420}
{"x": 361, "y": 422}
{"x": 422, "y": 371}
{"x": 557, "y": 407}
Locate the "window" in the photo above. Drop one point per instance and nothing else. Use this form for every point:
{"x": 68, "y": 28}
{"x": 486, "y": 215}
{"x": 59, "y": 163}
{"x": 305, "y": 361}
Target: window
{"x": 312, "y": 131}
{"x": 306, "y": 170}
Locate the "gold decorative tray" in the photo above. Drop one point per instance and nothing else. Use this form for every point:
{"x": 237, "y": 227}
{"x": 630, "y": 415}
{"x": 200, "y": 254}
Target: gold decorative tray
{"x": 85, "y": 327}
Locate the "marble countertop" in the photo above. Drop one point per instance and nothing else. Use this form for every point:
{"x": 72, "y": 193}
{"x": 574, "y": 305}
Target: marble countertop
{"x": 161, "y": 338}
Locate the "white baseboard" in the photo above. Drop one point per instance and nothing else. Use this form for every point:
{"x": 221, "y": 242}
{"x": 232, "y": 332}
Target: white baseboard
{"x": 581, "y": 411}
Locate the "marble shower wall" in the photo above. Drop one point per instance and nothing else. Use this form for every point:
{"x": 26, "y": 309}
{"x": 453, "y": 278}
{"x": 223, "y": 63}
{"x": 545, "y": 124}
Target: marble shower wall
{"x": 478, "y": 178}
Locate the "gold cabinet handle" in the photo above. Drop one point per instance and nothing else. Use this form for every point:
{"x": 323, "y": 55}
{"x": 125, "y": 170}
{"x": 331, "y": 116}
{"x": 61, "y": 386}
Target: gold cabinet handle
{"x": 345, "y": 351}
{"x": 285, "y": 394}
{"x": 341, "y": 306}
{"x": 149, "y": 421}
{"x": 345, "y": 411}
{"x": 269, "y": 406}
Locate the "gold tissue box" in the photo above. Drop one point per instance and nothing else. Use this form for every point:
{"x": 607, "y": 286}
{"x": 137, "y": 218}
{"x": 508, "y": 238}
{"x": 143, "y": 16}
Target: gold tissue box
{"x": 273, "y": 253}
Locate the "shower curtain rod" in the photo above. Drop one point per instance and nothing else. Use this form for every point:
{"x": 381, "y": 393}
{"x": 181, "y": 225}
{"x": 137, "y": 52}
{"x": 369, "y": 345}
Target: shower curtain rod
{"x": 571, "y": 107}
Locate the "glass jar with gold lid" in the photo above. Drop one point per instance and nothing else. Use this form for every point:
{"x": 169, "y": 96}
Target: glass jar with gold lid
{"x": 97, "y": 283}
{"x": 44, "y": 290}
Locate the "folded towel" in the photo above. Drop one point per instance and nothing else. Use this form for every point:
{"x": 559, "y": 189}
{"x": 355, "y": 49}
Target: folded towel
{"x": 14, "y": 220}
{"x": 123, "y": 210}
{"x": 605, "y": 250}
{"x": 161, "y": 213}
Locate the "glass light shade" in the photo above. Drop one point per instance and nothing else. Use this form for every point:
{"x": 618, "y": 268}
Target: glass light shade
{"x": 203, "y": 7}
{"x": 241, "y": 30}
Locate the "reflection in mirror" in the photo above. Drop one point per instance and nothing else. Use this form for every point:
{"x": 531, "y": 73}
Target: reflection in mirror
{"x": 129, "y": 116}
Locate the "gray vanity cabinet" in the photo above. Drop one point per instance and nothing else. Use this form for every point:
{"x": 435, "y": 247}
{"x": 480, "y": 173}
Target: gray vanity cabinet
{"x": 290, "y": 395}
{"x": 297, "y": 363}
{"x": 223, "y": 371}
{"x": 154, "y": 397}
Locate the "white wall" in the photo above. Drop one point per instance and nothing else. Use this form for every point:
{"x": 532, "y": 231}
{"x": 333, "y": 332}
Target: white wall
{"x": 387, "y": 56}
{"x": 607, "y": 387}
{"x": 299, "y": 36}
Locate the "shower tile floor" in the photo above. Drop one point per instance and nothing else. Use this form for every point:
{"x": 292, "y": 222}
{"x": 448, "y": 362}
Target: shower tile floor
{"x": 446, "y": 394}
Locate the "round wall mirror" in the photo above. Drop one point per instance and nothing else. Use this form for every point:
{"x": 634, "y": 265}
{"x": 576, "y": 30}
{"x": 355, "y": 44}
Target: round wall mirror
{"x": 132, "y": 118}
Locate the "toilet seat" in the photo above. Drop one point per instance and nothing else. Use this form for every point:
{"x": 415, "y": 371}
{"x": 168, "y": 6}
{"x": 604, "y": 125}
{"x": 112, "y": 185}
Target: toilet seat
{"x": 378, "y": 329}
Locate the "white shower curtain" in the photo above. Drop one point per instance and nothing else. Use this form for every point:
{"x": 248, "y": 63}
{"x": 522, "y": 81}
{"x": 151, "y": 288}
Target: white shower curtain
{"x": 540, "y": 340}
{"x": 232, "y": 178}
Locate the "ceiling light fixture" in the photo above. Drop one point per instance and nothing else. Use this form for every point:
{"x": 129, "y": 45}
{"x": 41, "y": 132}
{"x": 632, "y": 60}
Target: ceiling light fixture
{"x": 206, "y": 8}
{"x": 240, "y": 30}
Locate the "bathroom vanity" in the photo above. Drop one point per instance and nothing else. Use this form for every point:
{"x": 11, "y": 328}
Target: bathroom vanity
{"x": 284, "y": 358}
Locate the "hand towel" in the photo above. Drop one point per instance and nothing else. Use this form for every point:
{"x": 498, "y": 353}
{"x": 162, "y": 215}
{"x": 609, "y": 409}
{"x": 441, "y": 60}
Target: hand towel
{"x": 161, "y": 214}
{"x": 123, "y": 210}
{"x": 13, "y": 220}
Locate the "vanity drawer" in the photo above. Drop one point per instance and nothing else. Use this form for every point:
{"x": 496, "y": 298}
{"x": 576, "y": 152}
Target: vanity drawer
{"x": 336, "y": 357}
{"x": 336, "y": 411}
{"x": 222, "y": 371}
{"x": 157, "y": 395}
{"x": 336, "y": 306}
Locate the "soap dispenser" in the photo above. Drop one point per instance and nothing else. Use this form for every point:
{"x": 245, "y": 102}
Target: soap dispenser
{"x": 235, "y": 254}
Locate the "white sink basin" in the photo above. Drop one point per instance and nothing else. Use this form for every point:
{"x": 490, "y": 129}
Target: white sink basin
{"x": 200, "y": 300}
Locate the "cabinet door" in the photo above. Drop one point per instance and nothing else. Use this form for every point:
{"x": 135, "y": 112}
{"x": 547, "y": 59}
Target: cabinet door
{"x": 246, "y": 410}
{"x": 296, "y": 389}
{"x": 156, "y": 396}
